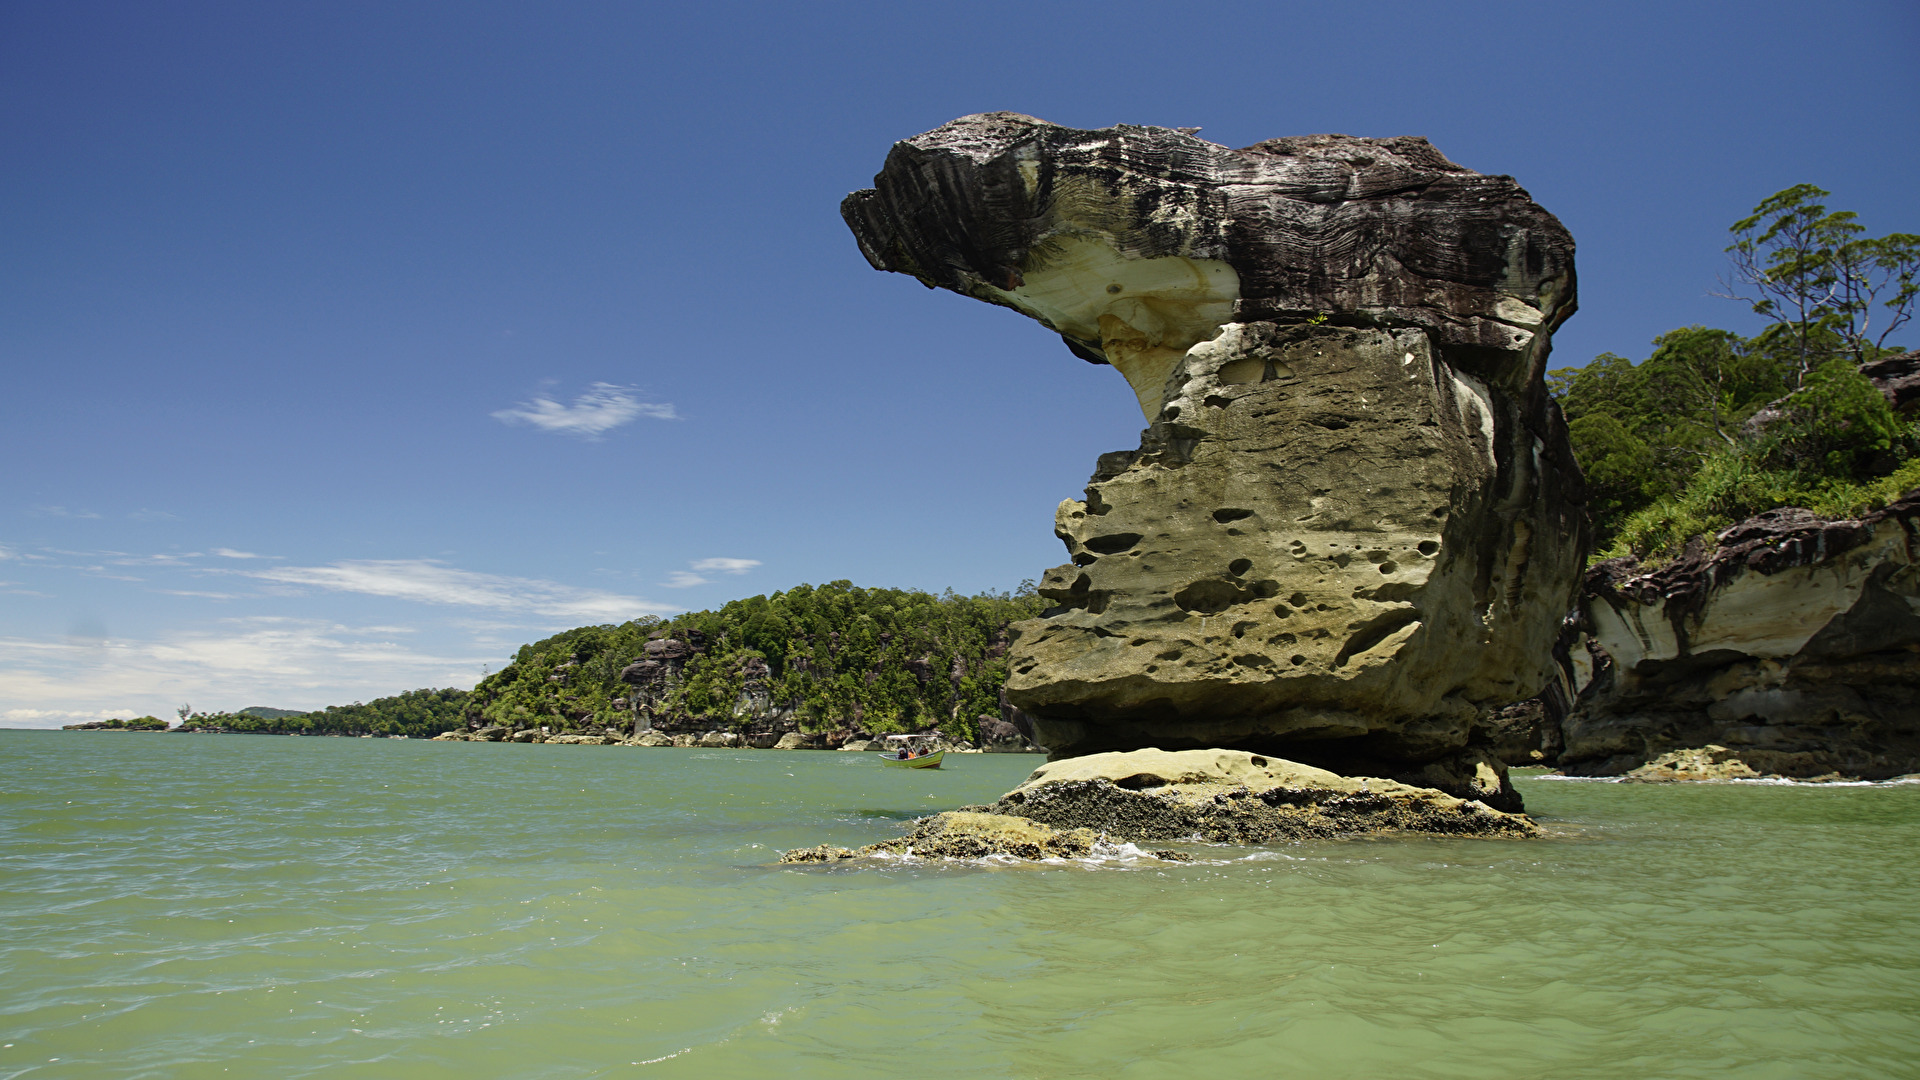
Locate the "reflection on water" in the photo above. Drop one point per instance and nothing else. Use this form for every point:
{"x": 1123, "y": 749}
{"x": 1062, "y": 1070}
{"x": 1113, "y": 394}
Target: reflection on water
{"x": 178, "y": 906}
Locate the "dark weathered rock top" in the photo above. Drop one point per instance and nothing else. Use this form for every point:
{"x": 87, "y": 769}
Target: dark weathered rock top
{"x": 1382, "y": 232}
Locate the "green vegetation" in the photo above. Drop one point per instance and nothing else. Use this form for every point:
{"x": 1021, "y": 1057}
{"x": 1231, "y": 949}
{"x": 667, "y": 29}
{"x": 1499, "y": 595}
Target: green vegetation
{"x": 419, "y": 714}
{"x": 138, "y": 723}
{"x": 836, "y": 655}
{"x": 1677, "y": 446}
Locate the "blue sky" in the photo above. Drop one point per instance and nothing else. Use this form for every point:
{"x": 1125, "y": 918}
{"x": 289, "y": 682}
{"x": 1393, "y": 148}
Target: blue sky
{"x": 345, "y": 347}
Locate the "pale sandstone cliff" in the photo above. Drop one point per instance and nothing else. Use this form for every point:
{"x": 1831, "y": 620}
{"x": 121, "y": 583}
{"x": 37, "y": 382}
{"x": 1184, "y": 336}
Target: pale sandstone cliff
{"x": 1792, "y": 647}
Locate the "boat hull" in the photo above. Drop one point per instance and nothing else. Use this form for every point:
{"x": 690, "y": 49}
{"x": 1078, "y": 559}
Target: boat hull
{"x": 924, "y": 761}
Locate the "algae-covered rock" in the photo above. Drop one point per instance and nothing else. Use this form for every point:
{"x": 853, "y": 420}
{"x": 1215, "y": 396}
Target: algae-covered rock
{"x": 1705, "y": 763}
{"x": 1231, "y": 796}
{"x": 958, "y": 834}
{"x": 801, "y": 740}
{"x": 1354, "y": 521}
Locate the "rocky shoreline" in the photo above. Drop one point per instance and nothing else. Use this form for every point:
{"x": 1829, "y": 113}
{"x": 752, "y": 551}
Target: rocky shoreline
{"x": 1067, "y": 807}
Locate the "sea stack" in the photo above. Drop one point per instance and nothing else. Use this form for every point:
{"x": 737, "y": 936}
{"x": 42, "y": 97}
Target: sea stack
{"x": 1353, "y": 523}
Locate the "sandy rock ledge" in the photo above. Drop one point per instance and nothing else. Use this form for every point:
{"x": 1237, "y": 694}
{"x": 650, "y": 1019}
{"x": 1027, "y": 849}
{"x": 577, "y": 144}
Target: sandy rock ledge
{"x": 1216, "y": 796}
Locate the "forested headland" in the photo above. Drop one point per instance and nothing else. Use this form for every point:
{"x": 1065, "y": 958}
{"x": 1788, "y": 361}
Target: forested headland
{"x": 812, "y": 657}
{"x": 1714, "y": 427}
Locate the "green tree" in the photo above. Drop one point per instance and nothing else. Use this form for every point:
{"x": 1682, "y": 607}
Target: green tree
{"x": 1820, "y": 279}
{"x": 1839, "y": 425}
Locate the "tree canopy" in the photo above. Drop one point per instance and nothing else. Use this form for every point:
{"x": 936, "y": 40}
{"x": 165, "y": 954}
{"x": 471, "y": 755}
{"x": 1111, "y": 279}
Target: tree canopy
{"x": 1713, "y": 427}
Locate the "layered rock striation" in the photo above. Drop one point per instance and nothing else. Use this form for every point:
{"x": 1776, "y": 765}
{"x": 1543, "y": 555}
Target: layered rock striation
{"x": 1792, "y": 645}
{"x": 1353, "y": 522}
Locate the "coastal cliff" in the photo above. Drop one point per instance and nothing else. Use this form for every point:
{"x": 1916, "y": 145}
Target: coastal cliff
{"x": 1791, "y": 646}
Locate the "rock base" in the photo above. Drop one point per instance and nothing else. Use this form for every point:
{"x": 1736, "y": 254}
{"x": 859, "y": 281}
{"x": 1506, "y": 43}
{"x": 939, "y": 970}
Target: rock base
{"x": 1215, "y": 796}
{"x": 967, "y": 834}
{"x": 1234, "y": 797}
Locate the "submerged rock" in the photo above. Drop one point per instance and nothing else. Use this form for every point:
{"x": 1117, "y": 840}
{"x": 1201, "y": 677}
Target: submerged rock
{"x": 1232, "y": 796}
{"x": 1794, "y": 643}
{"x": 1353, "y": 523}
{"x": 967, "y": 834}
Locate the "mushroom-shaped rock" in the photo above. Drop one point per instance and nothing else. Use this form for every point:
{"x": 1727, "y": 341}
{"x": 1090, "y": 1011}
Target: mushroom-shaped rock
{"x": 1354, "y": 521}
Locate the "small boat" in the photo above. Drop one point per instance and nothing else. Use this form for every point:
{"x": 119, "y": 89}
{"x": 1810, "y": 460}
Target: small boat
{"x": 912, "y": 752}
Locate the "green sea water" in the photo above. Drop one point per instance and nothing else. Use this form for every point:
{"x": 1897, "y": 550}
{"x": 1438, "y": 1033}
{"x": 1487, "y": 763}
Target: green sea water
{"x": 182, "y": 906}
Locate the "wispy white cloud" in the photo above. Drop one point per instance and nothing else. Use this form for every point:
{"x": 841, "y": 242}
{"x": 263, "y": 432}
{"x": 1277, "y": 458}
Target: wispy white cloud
{"x": 229, "y": 553}
{"x": 683, "y": 579}
{"x": 432, "y": 582}
{"x": 144, "y": 514}
{"x": 60, "y": 512}
{"x": 726, "y": 566}
{"x": 282, "y": 662}
{"x": 602, "y": 408}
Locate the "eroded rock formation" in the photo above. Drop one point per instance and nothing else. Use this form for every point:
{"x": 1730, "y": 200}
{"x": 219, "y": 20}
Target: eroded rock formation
{"x": 1793, "y": 646}
{"x": 1353, "y": 523}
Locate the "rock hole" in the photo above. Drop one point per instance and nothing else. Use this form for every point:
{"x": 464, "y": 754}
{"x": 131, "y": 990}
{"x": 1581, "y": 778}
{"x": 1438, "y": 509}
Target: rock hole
{"x": 1298, "y": 599}
{"x": 1428, "y": 547}
{"x": 1375, "y": 631}
{"x": 1258, "y": 761}
{"x": 1389, "y": 566}
{"x": 1242, "y": 372}
{"x": 1296, "y": 660}
{"x": 1239, "y": 566}
{"x": 1112, "y": 543}
{"x": 1240, "y": 628}
{"x": 1232, "y": 513}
